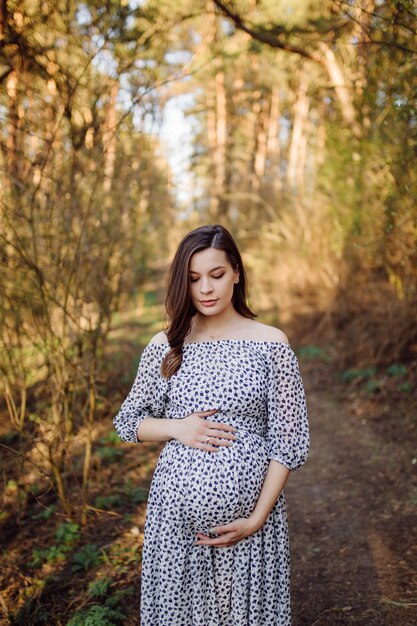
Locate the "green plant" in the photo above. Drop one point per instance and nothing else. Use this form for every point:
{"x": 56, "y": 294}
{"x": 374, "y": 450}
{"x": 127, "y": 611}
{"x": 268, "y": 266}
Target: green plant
{"x": 136, "y": 494}
{"x": 99, "y": 588}
{"x": 45, "y": 513}
{"x": 108, "y": 502}
{"x": 396, "y": 369}
{"x": 67, "y": 534}
{"x": 358, "y": 373}
{"x": 405, "y": 386}
{"x": 116, "y": 598}
{"x": 87, "y": 557}
{"x": 97, "y": 615}
{"x": 372, "y": 385}
{"x": 314, "y": 352}
{"x": 109, "y": 454}
{"x": 47, "y": 555}
{"x": 111, "y": 438}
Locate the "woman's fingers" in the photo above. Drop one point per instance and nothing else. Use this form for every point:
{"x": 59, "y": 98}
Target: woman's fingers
{"x": 221, "y": 426}
{"x": 220, "y": 542}
{"x": 214, "y": 441}
{"x": 208, "y": 447}
{"x": 215, "y": 432}
{"x": 213, "y": 444}
{"x": 224, "y": 431}
{"x": 222, "y": 437}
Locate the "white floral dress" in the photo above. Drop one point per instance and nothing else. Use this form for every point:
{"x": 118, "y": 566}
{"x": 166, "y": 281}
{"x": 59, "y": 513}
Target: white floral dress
{"x": 257, "y": 387}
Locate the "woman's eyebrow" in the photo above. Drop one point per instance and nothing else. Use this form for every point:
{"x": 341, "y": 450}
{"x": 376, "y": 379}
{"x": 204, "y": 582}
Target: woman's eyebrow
{"x": 212, "y": 270}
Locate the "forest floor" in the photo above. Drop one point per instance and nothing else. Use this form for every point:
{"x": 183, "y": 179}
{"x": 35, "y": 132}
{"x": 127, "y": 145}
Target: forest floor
{"x": 352, "y": 511}
{"x": 352, "y": 508}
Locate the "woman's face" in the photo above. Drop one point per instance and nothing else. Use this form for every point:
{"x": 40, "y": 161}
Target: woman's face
{"x": 211, "y": 279}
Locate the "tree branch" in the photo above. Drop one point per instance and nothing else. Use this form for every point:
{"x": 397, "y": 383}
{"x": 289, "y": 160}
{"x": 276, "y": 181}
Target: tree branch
{"x": 263, "y": 36}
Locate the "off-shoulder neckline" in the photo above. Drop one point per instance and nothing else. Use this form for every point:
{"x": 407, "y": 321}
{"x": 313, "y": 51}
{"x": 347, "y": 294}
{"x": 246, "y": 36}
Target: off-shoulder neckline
{"x": 199, "y": 343}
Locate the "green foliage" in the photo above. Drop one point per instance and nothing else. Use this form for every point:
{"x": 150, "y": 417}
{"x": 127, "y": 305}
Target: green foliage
{"x": 396, "y": 369}
{"x": 116, "y": 597}
{"x": 312, "y": 352}
{"x": 86, "y": 558}
{"x": 405, "y": 387}
{"x": 136, "y": 494}
{"x": 100, "y": 588}
{"x": 111, "y": 438}
{"x": 372, "y": 385}
{"x": 97, "y": 615}
{"x": 78, "y": 252}
{"x": 108, "y": 612}
{"x": 49, "y": 555}
{"x": 108, "y": 502}
{"x": 358, "y": 373}
{"x": 46, "y": 513}
{"x": 109, "y": 455}
{"x": 67, "y": 535}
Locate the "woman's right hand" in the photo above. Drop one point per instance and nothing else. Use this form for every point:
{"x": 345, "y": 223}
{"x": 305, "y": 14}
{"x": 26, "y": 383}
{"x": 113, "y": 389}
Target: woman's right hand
{"x": 193, "y": 431}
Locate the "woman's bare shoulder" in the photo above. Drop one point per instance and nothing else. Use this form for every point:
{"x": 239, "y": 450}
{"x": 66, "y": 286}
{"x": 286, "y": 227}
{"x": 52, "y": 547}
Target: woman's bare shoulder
{"x": 263, "y": 332}
{"x": 159, "y": 338}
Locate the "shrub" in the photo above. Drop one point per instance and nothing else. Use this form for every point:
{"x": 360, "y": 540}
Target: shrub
{"x": 99, "y": 588}
{"x": 86, "y": 558}
{"x": 97, "y": 615}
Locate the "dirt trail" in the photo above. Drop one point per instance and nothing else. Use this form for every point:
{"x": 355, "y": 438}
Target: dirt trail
{"x": 352, "y": 522}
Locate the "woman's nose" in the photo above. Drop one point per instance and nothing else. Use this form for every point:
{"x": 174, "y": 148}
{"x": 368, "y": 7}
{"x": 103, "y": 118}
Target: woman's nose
{"x": 206, "y": 286}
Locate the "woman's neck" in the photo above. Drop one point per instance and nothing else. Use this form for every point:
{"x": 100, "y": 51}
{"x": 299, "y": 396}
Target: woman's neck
{"x": 216, "y": 325}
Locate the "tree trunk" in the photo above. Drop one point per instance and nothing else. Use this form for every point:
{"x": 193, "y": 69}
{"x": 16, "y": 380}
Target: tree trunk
{"x": 340, "y": 86}
{"x": 220, "y": 150}
{"x": 12, "y": 162}
{"x": 211, "y": 141}
{"x": 272, "y": 144}
{"x": 3, "y": 19}
{"x": 109, "y": 141}
{"x": 297, "y": 151}
{"x": 260, "y": 141}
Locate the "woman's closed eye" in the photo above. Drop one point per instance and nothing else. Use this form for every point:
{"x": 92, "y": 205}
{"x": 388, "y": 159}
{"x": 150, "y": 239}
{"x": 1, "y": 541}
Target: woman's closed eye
{"x": 193, "y": 280}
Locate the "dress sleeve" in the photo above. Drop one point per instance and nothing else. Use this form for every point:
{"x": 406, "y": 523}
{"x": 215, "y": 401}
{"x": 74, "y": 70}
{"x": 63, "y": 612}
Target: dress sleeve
{"x": 147, "y": 396}
{"x": 287, "y": 436}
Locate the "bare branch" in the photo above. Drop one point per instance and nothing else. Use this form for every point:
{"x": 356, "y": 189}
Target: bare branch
{"x": 263, "y": 36}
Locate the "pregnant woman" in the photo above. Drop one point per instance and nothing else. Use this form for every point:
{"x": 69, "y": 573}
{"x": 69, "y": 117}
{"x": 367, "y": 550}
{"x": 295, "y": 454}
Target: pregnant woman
{"x": 225, "y": 393}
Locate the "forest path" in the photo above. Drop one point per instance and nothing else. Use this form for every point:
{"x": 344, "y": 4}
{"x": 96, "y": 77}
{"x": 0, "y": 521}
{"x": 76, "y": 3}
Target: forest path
{"x": 351, "y": 511}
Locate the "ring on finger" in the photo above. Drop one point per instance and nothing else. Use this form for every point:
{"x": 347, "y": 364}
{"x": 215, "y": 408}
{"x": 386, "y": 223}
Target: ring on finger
{"x": 207, "y": 441}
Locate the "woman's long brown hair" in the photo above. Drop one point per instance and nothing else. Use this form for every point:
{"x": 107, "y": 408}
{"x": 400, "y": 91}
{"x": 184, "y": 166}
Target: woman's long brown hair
{"x": 178, "y": 302}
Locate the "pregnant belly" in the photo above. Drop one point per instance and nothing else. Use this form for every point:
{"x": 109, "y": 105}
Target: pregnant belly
{"x": 200, "y": 489}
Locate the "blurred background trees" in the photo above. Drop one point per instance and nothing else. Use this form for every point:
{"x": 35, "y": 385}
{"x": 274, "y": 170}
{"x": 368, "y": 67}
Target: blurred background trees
{"x": 303, "y": 118}
{"x": 295, "y": 127}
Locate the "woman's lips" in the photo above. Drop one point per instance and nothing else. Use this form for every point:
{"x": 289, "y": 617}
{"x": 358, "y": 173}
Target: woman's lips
{"x": 208, "y": 302}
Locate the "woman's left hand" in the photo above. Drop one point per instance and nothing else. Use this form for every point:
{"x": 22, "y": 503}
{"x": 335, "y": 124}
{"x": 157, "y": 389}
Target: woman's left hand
{"x": 228, "y": 534}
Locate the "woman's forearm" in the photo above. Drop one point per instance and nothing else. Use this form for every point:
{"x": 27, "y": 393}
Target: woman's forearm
{"x": 164, "y": 429}
{"x": 156, "y": 429}
{"x": 274, "y": 482}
